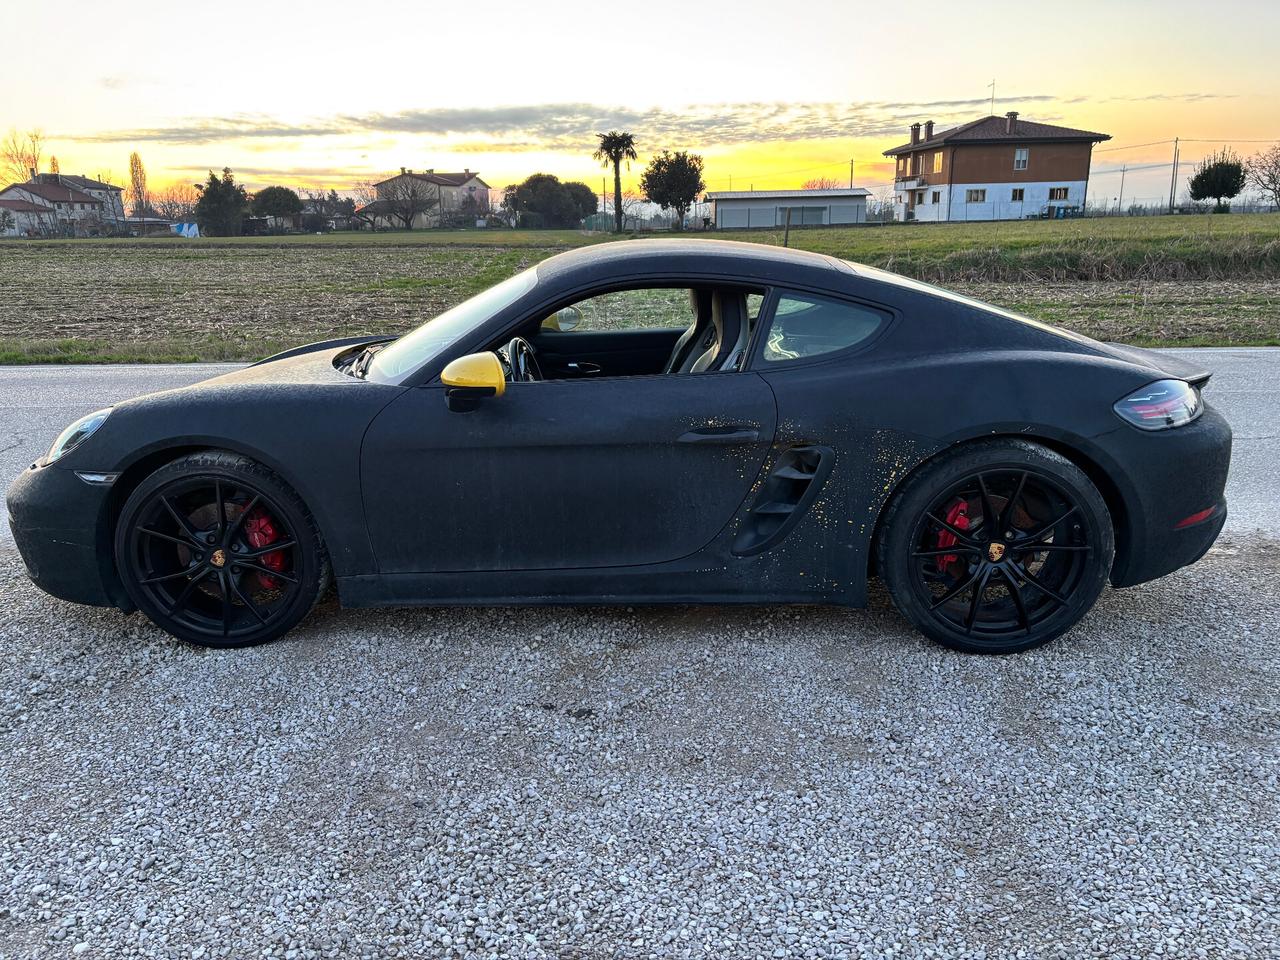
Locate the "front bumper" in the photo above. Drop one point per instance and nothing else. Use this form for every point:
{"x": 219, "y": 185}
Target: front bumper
{"x": 60, "y": 527}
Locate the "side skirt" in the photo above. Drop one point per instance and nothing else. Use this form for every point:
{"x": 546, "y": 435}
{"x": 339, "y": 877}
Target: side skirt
{"x": 565, "y": 588}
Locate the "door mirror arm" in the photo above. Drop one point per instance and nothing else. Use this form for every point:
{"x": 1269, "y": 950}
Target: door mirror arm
{"x": 468, "y": 380}
{"x": 466, "y": 399}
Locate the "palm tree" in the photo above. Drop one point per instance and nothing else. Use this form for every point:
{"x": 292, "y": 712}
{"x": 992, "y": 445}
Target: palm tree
{"x": 614, "y": 148}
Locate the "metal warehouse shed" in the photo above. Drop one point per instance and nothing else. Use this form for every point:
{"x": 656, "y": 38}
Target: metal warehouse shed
{"x": 768, "y": 208}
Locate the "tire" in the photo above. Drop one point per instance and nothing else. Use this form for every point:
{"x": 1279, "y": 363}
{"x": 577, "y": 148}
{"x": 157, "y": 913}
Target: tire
{"x": 996, "y": 546}
{"x": 235, "y": 577}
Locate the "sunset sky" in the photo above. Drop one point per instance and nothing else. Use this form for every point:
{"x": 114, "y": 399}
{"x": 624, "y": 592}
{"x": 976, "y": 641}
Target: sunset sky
{"x": 324, "y": 94}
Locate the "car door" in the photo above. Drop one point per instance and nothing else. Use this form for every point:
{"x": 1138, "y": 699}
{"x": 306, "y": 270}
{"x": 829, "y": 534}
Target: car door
{"x": 563, "y": 474}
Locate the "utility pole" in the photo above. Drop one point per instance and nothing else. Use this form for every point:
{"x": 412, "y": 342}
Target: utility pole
{"x": 604, "y": 203}
{"x": 851, "y": 173}
{"x": 992, "y": 85}
{"x": 1120, "y": 202}
{"x": 1173, "y": 180}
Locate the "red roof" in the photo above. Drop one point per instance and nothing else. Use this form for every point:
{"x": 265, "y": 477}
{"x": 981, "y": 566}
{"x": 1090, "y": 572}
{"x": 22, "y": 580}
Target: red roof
{"x": 52, "y": 192}
{"x": 87, "y": 183}
{"x": 994, "y": 130}
{"x": 444, "y": 179}
{"x": 23, "y": 206}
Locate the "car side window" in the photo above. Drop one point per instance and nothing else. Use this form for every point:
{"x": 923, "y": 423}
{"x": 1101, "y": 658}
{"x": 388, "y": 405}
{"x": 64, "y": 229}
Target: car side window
{"x": 650, "y": 308}
{"x": 805, "y": 326}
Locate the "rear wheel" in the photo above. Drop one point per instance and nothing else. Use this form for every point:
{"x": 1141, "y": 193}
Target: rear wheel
{"x": 217, "y": 550}
{"x": 997, "y": 547}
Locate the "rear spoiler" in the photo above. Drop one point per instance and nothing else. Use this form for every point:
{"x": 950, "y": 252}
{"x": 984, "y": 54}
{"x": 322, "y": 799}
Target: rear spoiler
{"x": 1175, "y": 367}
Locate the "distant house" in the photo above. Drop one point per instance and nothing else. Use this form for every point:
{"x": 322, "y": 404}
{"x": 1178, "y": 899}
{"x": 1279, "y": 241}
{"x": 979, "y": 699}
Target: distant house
{"x": 451, "y": 197}
{"x": 81, "y": 207}
{"x": 770, "y": 208}
{"x": 996, "y": 168}
{"x": 26, "y": 219}
{"x": 112, "y": 197}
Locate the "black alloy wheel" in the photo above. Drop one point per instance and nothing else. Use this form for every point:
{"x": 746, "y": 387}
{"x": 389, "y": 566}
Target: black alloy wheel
{"x": 216, "y": 550}
{"x": 998, "y": 547}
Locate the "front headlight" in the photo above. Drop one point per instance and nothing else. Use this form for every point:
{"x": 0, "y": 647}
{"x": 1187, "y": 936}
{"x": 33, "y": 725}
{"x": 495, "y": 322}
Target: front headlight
{"x": 76, "y": 434}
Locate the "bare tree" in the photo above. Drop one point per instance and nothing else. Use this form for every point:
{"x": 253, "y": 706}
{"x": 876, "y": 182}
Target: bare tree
{"x": 53, "y": 165}
{"x": 139, "y": 199}
{"x": 407, "y": 197}
{"x": 821, "y": 183}
{"x": 364, "y": 193}
{"x": 632, "y": 207}
{"x": 177, "y": 203}
{"x": 20, "y": 155}
{"x": 1263, "y": 171}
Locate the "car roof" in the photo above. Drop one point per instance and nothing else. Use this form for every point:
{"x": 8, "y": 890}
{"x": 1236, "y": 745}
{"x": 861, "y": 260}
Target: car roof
{"x": 725, "y": 257}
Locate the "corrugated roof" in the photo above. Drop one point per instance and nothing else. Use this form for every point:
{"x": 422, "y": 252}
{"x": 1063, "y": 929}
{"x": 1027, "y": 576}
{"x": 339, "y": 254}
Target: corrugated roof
{"x": 992, "y": 130}
{"x": 781, "y": 194}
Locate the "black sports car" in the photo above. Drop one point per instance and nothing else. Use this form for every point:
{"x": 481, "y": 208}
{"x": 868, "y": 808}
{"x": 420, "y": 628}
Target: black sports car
{"x": 687, "y": 421}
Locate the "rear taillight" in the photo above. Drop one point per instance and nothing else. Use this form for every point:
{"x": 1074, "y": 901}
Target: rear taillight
{"x": 1161, "y": 405}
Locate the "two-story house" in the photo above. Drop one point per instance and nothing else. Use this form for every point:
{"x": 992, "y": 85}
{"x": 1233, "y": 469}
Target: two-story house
{"x": 996, "y": 168}
{"x": 79, "y": 206}
{"x": 112, "y": 197}
{"x": 448, "y": 196}
{"x": 75, "y": 213}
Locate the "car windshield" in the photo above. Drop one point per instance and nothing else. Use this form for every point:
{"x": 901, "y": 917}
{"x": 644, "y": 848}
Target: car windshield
{"x": 427, "y": 341}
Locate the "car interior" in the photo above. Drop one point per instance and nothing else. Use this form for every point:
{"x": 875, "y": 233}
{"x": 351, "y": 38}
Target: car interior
{"x": 636, "y": 332}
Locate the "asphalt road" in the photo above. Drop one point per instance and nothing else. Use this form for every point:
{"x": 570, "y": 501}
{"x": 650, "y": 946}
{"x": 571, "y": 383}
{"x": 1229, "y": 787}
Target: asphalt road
{"x": 37, "y": 402}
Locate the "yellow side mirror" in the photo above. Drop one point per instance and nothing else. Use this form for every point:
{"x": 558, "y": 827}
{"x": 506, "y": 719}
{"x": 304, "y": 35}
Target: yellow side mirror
{"x": 563, "y": 320}
{"x": 468, "y": 379}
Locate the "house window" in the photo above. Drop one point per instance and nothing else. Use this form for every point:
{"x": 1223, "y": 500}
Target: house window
{"x": 975, "y": 196}
{"x": 902, "y": 164}
{"x": 1058, "y": 193}
{"x": 937, "y": 162}
{"x": 1020, "y": 157}
{"x": 1018, "y": 194}
{"x": 919, "y": 196}
{"x": 934, "y": 199}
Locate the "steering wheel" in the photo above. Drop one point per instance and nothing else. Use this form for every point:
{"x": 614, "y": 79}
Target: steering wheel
{"x": 521, "y": 361}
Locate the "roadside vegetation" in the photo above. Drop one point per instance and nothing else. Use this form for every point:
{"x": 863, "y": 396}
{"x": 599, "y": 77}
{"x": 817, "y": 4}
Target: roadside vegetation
{"x": 1157, "y": 281}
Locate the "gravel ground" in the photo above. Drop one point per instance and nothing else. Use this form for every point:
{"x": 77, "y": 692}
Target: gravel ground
{"x": 670, "y": 782}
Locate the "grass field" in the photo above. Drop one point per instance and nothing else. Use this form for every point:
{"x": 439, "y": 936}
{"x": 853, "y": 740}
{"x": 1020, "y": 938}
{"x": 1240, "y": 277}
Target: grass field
{"x": 1154, "y": 281}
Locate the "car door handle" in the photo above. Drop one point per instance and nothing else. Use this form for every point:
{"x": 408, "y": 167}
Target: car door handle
{"x": 723, "y": 435}
{"x": 583, "y": 366}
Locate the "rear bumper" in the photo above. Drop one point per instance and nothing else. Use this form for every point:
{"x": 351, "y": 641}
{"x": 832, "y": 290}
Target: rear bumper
{"x": 1172, "y": 476}
{"x": 58, "y": 524}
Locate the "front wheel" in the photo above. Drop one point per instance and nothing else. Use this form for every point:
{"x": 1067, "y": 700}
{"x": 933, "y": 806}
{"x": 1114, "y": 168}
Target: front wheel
{"x": 217, "y": 550}
{"x": 997, "y": 547}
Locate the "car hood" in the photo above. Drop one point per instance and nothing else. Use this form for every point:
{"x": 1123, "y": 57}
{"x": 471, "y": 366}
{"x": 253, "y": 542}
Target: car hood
{"x": 311, "y": 364}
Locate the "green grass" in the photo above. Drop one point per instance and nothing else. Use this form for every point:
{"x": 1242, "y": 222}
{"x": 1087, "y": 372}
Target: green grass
{"x": 389, "y": 238}
{"x": 1202, "y": 247}
{"x": 1162, "y": 281}
{"x": 1120, "y": 248}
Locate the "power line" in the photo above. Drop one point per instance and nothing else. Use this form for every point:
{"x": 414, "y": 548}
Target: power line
{"x": 1145, "y": 166}
{"x": 1153, "y": 143}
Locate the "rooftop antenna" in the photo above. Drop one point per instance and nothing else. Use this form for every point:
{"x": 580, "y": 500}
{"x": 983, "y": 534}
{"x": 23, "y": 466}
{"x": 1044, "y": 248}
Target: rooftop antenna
{"x": 992, "y": 85}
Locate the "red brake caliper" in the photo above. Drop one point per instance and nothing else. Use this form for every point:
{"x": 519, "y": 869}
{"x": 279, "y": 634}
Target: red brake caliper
{"x": 958, "y": 517}
{"x": 260, "y": 532}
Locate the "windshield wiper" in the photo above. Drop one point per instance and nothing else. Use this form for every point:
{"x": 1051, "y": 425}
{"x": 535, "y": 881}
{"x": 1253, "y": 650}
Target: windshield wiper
{"x": 360, "y": 366}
